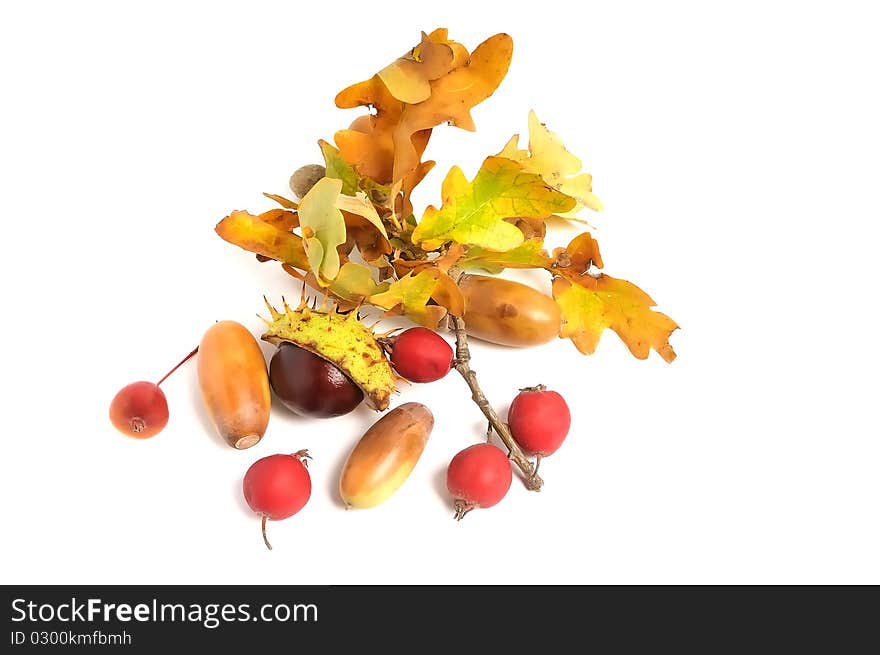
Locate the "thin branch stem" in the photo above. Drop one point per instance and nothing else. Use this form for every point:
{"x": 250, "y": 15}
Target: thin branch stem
{"x": 462, "y": 364}
{"x": 179, "y": 364}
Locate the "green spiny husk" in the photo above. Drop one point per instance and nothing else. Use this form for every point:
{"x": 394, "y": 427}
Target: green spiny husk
{"x": 343, "y": 341}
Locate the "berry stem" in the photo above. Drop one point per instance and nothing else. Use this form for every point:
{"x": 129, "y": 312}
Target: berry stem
{"x": 531, "y": 478}
{"x": 265, "y": 538}
{"x": 179, "y": 364}
{"x": 462, "y": 507}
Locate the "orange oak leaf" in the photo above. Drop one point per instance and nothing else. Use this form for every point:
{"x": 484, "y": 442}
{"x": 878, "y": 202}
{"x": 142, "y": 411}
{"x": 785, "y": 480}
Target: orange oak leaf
{"x": 364, "y": 227}
{"x": 575, "y": 260}
{"x": 459, "y": 52}
{"x": 595, "y": 303}
{"x": 403, "y": 267}
{"x": 281, "y": 200}
{"x": 409, "y": 77}
{"x": 388, "y": 145}
{"x": 269, "y": 235}
{"x": 443, "y": 261}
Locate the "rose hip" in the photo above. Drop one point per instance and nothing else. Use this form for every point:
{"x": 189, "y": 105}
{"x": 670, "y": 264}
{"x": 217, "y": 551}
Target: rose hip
{"x": 539, "y": 420}
{"x": 277, "y": 487}
{"x": 478, "y": 476}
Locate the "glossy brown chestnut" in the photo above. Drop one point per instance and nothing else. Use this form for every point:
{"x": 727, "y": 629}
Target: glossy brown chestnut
{"x": 310, "y": 385}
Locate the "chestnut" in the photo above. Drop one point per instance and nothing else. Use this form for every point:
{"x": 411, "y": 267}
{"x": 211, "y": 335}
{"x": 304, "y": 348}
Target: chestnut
{"x": 310, "y": 385}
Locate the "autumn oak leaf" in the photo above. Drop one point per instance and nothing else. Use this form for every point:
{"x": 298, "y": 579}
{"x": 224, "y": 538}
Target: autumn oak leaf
{"x": 387, "y": 146}
{"x": 323, "y": 228}
{"x": 352, "y": 182}
{"x": 269, "y": 235}
{"x": 576, "y": 259}
{"x": 474, "y": 213}
{"x": 281, "y": 200}
{"x": 548, "y": 157}
{"x": 352, "y": 287}
{"x": 409, "y": 78}
{"x": 529, "y": 254}
{"x": 596, "y": 303}
{"x": 355, "y": 283}
{"x": 411, "y": 294}
{"x": 363, "y": 226}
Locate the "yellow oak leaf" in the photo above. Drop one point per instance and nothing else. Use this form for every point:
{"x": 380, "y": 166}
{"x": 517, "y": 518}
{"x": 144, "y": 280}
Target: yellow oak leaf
{"x": 596, "y": 303}
{"x": 393, "y": 200}
{"x": 355, "y": 283}
{"x": 548, "y": 157}
{"x": 350, "y": 289}
{"x": 360, "y": 205}
{"x": 269, "y": 235}
{"x": 411, "y": 294}
{"x": 474, "y": 213}
{"x": 529, "y": 254}
{"x": 323, "y": 228}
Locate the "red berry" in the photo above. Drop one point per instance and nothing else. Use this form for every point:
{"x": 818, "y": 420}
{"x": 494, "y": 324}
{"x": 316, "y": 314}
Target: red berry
{"x": 421, "y": 355}
{"x": 539, "y": 420}
{"x": 277, "y": 487}
{"x": 139, "y": 410}
{"x": 478, "y": 476}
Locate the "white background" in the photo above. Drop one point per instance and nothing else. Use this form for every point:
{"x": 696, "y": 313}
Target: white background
{"x": 735, "y": 148}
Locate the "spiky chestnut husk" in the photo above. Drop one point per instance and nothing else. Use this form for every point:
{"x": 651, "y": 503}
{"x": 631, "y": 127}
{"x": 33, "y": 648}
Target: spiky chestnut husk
{"x": 342, "y": 340}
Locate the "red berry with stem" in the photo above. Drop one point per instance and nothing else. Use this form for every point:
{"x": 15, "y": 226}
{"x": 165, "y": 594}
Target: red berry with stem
{"x": 420, "y": 355}
{"x": 140, "y": 409}
{"x": 539, "y": 420}
{"x": 277, "y": 487}
{"x": 478, "y": 476}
